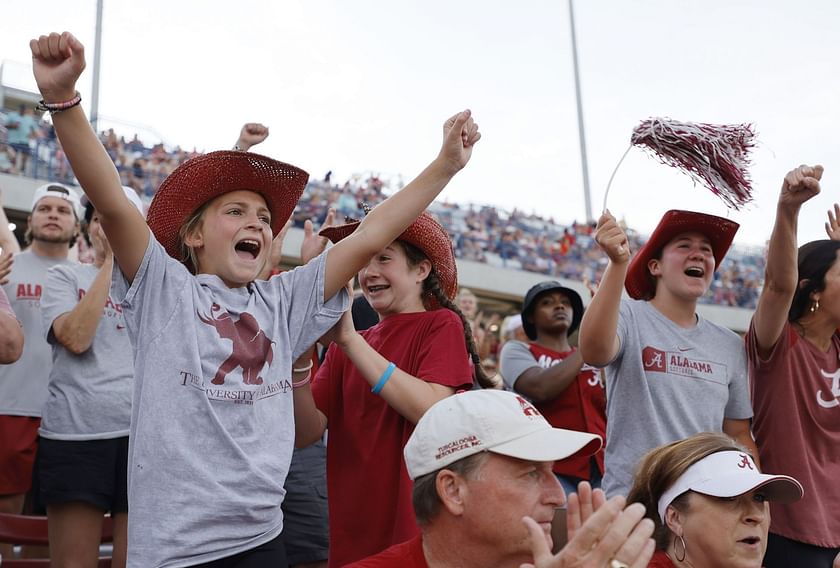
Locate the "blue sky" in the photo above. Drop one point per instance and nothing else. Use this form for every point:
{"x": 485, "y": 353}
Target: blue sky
{"x": 365, "y": 85}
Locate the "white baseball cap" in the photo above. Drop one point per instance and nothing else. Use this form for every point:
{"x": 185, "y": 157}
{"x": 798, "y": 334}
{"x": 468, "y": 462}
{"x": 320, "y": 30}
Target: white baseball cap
{"x": 58, "y": 190}
{"x": 129, "y": 193}
{"x": 729, "y": 474}
{"x": 513, "y": 323}
{"x": 501, "y": 422}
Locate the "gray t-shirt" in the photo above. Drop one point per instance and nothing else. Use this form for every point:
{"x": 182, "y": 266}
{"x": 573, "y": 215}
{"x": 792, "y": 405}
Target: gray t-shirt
{"x": 667, "y": 383}
{"x": 212, "y": 426}
{"x": 23, "y": 384}
{"x": 89, "y": 394}
{"x": 514, "y": 360}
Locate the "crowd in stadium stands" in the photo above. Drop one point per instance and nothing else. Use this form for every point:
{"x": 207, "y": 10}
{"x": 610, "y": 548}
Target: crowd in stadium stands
{"x": 480, "y": 233}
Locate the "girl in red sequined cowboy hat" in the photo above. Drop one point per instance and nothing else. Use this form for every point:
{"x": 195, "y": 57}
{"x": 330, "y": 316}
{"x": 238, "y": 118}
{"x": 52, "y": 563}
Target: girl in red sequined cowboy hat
{"x": 670, "y": 373}
{"x": 373, "y": 386}
{"x": 212, "y": 424}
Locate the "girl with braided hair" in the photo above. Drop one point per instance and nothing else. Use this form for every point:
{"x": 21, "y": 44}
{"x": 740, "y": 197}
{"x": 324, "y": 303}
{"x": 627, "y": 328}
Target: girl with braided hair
{"x": 375, "y": 385}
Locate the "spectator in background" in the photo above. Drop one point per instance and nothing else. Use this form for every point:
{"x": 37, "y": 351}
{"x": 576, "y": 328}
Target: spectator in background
{"x": 21, "y": 126}
{"x": 468, "y": 304}
{"x": 551, "y": 373}
{"x": 83, "y": 445}
{"x": 484, "y": 493}
{"x": 513, "y": 330}
{"x": 793, "y": 348}
{"x": 53, "y": 228}
{"x": 8, "y": 159}
{"x": 670, "y": 373}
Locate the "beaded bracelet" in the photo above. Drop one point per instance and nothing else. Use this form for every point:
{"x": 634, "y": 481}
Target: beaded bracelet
{"x": 53, "y": 108}
{"x": 303, "y": 381}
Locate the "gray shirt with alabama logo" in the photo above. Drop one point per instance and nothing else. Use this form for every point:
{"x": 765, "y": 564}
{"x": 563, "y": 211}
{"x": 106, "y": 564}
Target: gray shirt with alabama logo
{"x": 23, "y": 384}
{"x": 89, "y": 395}
{"x": 667, "y": 383}
{"x": 212, "y": 426}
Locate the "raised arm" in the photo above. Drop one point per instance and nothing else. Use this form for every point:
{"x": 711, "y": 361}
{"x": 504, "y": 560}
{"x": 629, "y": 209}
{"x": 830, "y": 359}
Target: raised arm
{"x": 58, "y": 61}
{"x": 76, "y": 329}
{"x": 598, "y": 330}
{"x": 781, "y": 274}
{"x": 391, "y": 217}
{"x": 252, "y": 133}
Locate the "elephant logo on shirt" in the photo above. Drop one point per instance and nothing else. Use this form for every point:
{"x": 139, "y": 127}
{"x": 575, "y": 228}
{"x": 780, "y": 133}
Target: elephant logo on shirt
{"x": 252, "y": 349}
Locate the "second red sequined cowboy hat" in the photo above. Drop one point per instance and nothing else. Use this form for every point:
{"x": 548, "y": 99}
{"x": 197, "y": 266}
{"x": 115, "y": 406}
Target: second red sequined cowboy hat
{"x": 427, "y": 235}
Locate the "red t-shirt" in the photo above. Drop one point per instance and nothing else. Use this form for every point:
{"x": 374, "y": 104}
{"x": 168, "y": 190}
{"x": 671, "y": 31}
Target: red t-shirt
{"x": 367, "y": 482}
{"x": 660, "y": 560}
{"x": 796, "y": 398}
{"x": 582, "y": 406}
{"x": 405, "y": 555}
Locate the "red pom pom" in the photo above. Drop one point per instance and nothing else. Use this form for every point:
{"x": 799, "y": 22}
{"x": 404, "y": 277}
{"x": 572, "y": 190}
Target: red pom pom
{"x": 716, "y": 155}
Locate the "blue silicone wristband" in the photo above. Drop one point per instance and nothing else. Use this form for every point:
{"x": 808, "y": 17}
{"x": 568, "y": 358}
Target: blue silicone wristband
{"x": 384, "y": 378}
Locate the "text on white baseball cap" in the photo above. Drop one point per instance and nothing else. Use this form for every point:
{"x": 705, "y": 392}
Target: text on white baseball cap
{"x": 501, "y": 422}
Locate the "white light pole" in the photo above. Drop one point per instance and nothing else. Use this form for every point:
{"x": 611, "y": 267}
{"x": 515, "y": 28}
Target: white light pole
{"x": 584, "y": 165}
{"x": 97, "y": 49}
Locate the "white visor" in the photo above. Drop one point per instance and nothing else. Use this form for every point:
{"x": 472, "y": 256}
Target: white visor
{"x": 729, "y": 474}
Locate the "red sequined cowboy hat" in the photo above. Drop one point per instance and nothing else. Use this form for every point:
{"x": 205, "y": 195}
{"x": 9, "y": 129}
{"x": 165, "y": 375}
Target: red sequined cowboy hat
{"x": 427, "y": 235}
{"x": 639, "y": 284}
{"x": 200, "y": 179}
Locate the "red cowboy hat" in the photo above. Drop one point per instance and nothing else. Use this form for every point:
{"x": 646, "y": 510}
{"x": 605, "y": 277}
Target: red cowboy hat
{"x": 200, "y": 179}
{"x": 720, "y": 232}
{"x": 427, "y": 235}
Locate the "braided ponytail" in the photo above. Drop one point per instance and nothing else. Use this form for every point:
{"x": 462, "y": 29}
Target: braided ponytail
{"x": 431, "y": 286}
{"x": 432, "y": 290}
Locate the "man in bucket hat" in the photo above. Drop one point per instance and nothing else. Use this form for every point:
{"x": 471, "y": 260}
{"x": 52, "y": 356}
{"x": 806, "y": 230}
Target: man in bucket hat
{"x": 551, "y": 373}
{"x": 484, "y": 492}
{"x": 53, "y": 226}
{"x": 669, "y": 372}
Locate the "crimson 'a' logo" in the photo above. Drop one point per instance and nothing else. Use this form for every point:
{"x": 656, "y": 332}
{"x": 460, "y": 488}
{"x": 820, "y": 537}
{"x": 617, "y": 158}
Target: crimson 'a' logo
{"x": 745, "y": 462}
{"x": 527, "y": 408}
{"x": 653, "y": 359}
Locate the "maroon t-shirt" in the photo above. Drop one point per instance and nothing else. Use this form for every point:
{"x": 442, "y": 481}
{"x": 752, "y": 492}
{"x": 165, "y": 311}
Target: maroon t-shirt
{"x": 796, "y": 398}
{"x": 368, "y": 485}
{"x": 405, "y": 555}
{"x": 660, "y": 560}
{"x": 582, "y": 407}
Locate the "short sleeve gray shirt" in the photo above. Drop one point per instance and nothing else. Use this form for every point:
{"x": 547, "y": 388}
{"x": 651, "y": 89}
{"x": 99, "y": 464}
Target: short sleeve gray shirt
{"x": 89, "y": 395}
{"x": 667, "y": 383}
{"x": 212, "y": 427}
{"x": 23, "y": 384}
